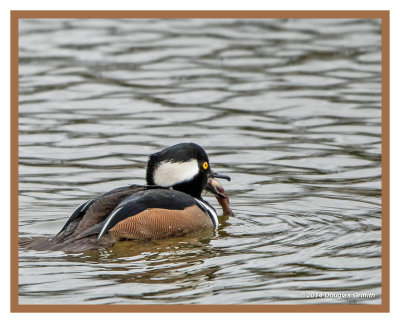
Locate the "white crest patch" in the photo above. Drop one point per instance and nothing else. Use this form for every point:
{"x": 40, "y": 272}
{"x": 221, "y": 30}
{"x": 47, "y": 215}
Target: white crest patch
{"x": 171, "y": 173}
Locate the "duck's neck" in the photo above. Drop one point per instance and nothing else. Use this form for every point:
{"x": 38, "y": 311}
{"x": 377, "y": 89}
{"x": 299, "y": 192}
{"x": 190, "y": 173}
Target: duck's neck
{"x": 194, "y": 187}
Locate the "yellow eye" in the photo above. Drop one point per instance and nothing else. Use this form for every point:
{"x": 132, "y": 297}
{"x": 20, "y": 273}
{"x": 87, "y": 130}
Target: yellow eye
{"x": 205, "y": 165}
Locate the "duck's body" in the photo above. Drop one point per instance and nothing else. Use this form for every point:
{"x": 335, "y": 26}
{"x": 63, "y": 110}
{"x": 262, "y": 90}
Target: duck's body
{"x": 170, "y": 205}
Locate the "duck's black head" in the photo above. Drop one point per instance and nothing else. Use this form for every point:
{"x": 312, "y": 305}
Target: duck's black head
{"x": 184, "y": 167}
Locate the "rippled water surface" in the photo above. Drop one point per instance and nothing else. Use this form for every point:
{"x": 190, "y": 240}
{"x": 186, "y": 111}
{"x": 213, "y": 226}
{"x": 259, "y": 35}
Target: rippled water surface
{"x": 290, "y": 109}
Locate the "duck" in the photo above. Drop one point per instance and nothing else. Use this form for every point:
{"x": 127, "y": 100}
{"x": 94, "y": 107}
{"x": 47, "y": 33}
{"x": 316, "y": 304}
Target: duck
{"x": 170, "y": 204}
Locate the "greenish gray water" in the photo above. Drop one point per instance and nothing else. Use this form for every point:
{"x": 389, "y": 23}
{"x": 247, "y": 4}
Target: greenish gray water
{"x": 290, "y": 109}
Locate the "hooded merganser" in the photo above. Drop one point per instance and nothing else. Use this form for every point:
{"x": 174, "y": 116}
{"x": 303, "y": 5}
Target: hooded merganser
{"x": 169, "y": 205}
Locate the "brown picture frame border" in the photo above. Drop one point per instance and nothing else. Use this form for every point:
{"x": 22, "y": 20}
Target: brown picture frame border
{"x": 384, "y": 15}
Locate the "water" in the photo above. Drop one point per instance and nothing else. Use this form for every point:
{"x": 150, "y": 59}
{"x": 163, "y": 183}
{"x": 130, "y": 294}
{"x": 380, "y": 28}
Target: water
{"x": 290, "y": 109}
